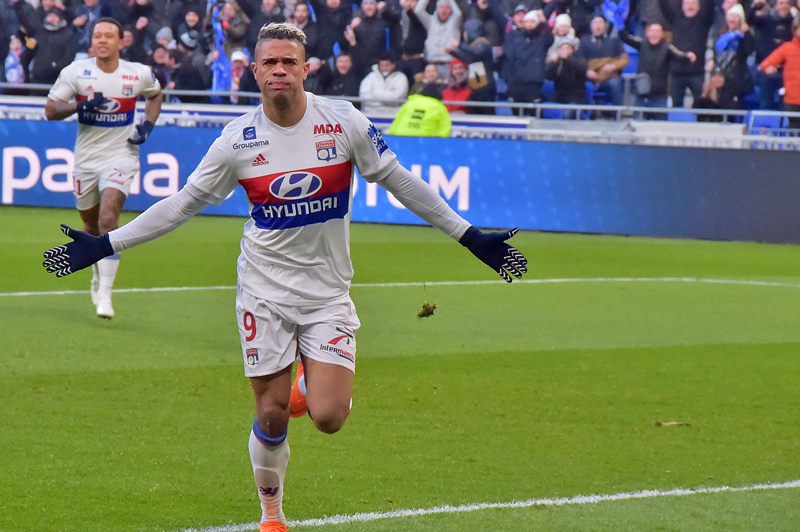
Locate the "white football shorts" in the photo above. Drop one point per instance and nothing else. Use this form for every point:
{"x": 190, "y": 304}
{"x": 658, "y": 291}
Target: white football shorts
{"x": 273, "y": 336}
{"x": 89, "y": 184}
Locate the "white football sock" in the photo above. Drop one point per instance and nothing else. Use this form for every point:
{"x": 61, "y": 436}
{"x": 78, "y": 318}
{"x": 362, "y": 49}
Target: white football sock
{"x": 269, "y": 469}
{"x": 108, "y": 271}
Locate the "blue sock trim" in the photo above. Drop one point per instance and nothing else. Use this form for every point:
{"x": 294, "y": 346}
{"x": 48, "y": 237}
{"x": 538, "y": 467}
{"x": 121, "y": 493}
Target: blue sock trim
{"x": 263, "y": 437}
{"x": 115, "y": 256}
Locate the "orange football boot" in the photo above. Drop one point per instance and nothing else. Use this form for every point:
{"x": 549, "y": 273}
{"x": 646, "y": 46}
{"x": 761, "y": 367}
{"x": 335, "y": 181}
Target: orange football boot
{"x": 297, "y": 401}
{"x": 273, "y": 526}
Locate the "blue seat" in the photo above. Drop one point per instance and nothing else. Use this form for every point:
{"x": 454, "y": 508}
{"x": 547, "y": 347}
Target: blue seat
{"x": 677, "y": 116}
{"x": 633, "y": 56}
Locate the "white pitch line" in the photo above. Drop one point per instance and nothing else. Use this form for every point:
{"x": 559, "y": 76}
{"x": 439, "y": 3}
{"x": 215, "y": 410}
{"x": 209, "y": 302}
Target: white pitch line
{"x": 441, "y": 283}
{"x": 562, "y": 501}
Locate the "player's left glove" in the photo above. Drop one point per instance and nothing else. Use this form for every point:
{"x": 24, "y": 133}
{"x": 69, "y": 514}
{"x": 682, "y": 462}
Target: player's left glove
{"x": 82, "y": 252}
{"x": 492, "y": 249}
{"x": 143, "y": 131}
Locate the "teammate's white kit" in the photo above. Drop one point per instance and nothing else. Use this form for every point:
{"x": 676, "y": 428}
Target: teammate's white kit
{"x": 101, "y": 148}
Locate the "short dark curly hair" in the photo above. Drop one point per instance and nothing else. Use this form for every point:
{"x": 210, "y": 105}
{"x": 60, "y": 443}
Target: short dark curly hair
{"x": 282, "y": 30}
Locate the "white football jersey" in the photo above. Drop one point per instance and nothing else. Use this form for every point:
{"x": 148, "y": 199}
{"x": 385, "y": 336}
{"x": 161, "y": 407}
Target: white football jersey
{"x": 299, "y": 182}
{"x": 103, "y": 133}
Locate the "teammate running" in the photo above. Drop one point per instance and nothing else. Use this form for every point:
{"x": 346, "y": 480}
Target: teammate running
{"x": 105, "y": 89}
{"x": 294, "y": 155}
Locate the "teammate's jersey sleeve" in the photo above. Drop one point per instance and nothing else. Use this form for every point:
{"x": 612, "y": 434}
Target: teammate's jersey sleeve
{"x": 371, "y": 155}
{"x": 66, "y": 86}
{"x": 150, "y": 85}
{"x": 215, "y": 176}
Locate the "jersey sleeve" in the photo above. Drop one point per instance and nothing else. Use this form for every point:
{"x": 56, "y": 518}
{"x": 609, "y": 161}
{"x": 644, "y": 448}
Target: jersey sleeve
{"x": 215, "y": 176}
{"x": 370, "y": 154}
{"x": 150, "y": 85}
{"x": 66, "y": 86}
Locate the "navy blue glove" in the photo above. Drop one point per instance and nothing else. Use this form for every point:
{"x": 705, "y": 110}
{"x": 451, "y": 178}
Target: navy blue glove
{"x": 90, "y": 105}
{"x": 142, "y": 132}
{"x": 82, "y": 252}
{"x": 492, "y": 249}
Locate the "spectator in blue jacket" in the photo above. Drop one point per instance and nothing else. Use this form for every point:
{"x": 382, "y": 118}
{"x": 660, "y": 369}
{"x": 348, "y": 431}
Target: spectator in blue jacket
{"x": 525, "y": 52}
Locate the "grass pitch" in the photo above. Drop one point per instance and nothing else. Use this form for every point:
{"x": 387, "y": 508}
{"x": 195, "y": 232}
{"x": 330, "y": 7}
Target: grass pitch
{"x": 507, "y": 393}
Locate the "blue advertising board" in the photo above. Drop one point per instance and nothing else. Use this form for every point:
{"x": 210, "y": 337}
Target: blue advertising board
{"x": 593, "y": 188}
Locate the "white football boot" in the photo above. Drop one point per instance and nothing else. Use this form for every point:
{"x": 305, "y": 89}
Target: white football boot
{"x": 104, "y": 308}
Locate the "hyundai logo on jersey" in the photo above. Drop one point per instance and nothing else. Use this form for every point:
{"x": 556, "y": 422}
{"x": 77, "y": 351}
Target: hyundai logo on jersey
{"x": 297, "y": 199}
{"x": 295, "y": 185}
{"x": 116, "y": 112}
{"x": 249, "y": 133}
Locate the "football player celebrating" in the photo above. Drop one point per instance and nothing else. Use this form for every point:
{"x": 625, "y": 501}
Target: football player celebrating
{"x": 294, "y": 155}
{"x": 105, "y": 89}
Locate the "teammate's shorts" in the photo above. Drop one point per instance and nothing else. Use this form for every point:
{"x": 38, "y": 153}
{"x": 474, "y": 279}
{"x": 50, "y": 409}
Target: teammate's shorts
{"x": 118, "y": 174}
{"x": 273, "y": 336}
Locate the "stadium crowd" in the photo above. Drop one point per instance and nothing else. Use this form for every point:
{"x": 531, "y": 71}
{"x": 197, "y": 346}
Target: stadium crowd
{"x": 725, "y": 55}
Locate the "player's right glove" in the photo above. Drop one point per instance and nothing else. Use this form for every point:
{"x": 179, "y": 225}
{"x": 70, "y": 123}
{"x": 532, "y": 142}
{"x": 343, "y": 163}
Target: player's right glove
{"x": 82, "y": 252}
{"x": 90, "y": 105}
{"x": 492, "y": 249}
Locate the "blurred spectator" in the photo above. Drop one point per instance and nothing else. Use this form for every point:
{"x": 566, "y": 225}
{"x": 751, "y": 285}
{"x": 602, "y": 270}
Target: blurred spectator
{"x": 493, "y": 24}
{"x": 333, "y": 16}
{"x": 718, "y": 27}
{"x": 771, "y": 28}
{"x": 457, "y": 89}
{"x": 133, "y": 45}
{"x": 165, "y": 38}
{"x": 444, "y": 27}
{"x": 269, "y": 12}
{"x": 412, "y": 44}
{"x": 14, "y": 70}
{"x": 525, "y": 52}
{"x": 690, "y": 26}
{"x": 580, "y": 12}
{"x": 185, "y": 76}
{"x": 517, "y": 20}
{"x": 239, "y": 63}
{"x": 652, "y": 70}
{"x": 319, "y": 76}
{"x": 423, "y": 115}
{"x": 562, "y": 28}
{"x": 85, "y": 17}
{"x": 476, "y": 52}
{"x": 192, "y": 24}
{"x": 248, "y": 83}
{"x": 302, "y": 19}
{"x": 30, "y": 22}
{"x": 53, "y": 48}
{"x": 345, "y": 82}
{"x": 9, "y": 24}
{"x": 568, "y": 73}
{"x": 234, "y": 23}
{"x": 367, "y": 35}
{"x": 158, "y": 63}
{"x": 606, "y": 57}
{"x": 715, "y": 96}
{"x": 787, "y": 56}
{"x": 384, "y": 84}
{"x": 429, "y": 75}
{"x": 730, "y": 56}
{"x": 189, "y": 46}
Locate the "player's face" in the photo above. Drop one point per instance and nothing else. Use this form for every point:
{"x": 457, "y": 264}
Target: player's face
{"x": 106, "y": 40}
{"x": 280, "y": 68}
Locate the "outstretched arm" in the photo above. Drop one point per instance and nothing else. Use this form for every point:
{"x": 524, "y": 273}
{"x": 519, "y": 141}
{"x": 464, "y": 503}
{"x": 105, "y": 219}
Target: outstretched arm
{"x": 85, "y": 249}
{"x": 491, "y": 248}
